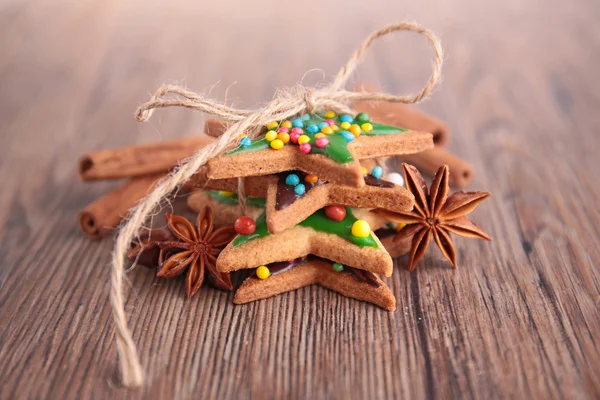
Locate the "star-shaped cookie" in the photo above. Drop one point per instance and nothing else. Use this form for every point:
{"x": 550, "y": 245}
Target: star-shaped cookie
{"x": 333, "y": 156}
{"x": 350, "y": 282}
{"x": 286, "y": 208}
{"x": 316, "y": 235}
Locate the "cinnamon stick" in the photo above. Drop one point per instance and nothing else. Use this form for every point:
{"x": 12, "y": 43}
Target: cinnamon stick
{"x": 403, "y": 115}
{"x": 428, "y": 162}
{"x": 100, "y": 217}
{"x": 138, "y": 160}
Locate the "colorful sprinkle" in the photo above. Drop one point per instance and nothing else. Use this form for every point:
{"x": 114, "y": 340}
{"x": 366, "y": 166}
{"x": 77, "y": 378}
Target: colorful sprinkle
{"x": 399, "y": 227}
{"x": 321, "y": 142}
{"x": 319, "y": 135}
{"x": 330, "y": 114}
{"x": 284, "y": 137}
{"x": 367, "y": 127}
{"x": 287, "y": 124}
{"x": 244, "y": 225}
{"x": 306, "y": 117}
{"x": 294, "y": 137}
{"x": 346, "y": 118}
{"x": 337, "y": 267}
{"x": 246, "y": 141}
{"x": 226, "y": 193}
{"x": 263, "y": 272}
{"x": 283, "y": 129}
{"x": 305, "y": 148}
{"x": 277, "y": 144}
{"x": 355, "y": 129}
{"x": 348, "y": 136}
{"x": 330, "y": 122}
{"x": 335, "y": 128}
{"x": 313, "y": 128}
{"x": 303, "y": 139}
{"x": 345, "y": 125}
{"x": 299, "y": 189}
{"x": 271, "y": 135}
{"x": 327, "y": 130}
{"x": 298, "y": 123}
{"x": 396, "y": 178}
{"x": 335, "y": 213}
{"x": 363, "y": 117}
{"x": 377, "y": 172}
{"x": 299, "y": 131}
{"x": 310, "y": 178}
{"x": 361, "y": 229}
{"x": 323, "y": 125}
{"x": 365, "y": 171}
{"x": 272, "y": 125}
{"x": 292, "y": 180}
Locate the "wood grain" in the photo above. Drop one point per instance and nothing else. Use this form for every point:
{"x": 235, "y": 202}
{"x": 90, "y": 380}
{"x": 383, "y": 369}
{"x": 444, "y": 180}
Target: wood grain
{"x": 518, "y": 319}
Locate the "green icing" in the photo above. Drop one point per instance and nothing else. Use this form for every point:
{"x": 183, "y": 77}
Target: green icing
{"x": 319, "y": 222}
{"x": 337, "y": 149}
{"x": 232, "y": 200}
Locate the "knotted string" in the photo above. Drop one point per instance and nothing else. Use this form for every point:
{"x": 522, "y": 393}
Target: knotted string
{"x": 285, "y": 104}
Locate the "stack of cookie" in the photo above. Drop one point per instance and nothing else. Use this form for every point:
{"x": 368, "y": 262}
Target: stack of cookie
{"x": 307, "y": 198}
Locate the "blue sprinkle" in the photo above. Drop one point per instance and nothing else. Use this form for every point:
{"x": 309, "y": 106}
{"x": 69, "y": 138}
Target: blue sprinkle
{"x": 312, "y": 128}
{"x": 346, "y": 118}
{"x": 377, "y": 172}
{"x": 245, "y": 141}
{"x": 297, "y": 123}
{"x": 292, "y": 180}
{"x": 299, "y": 189}
{"x": 306, "y": 117}
{"x": 348, "y": 136}
{"x": 322, "y": 125}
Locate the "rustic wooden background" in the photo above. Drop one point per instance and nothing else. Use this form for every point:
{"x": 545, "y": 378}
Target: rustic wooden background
{"x": 518, "y": 318}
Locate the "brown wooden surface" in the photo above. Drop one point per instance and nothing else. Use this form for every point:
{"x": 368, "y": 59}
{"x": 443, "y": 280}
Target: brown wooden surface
{"x": 518, "y": 318}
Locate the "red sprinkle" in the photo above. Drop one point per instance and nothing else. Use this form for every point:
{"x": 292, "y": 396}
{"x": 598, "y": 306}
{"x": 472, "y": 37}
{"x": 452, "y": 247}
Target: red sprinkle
{"x": 330, "y": 122}
{"x": 336, "y": 213}
{"x": 283, "y": 129}
{"x": 321, "y": 142}
{"x": 244, "y": 225}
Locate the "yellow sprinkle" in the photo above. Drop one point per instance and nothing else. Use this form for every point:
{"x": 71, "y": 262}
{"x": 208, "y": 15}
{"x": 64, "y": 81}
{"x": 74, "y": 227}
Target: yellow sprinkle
{"x": 361, "y": 228}
{"x": 226, "y": 193}
{"x": 311, "y": 178}
{"x": 345, "y": 125}
{"x": 241, "y": 136}
{"x": 319, "y": 135}
{"x": 355, "y": 129}
{"x": 286, "y": 124}
{"x": 367, "y": 127}
{"x": 271, "y": 135}
{"x": 272, "y": 125}
{"x": 303, "y": 139}
{"x": 277, "y": 144}
{"x": 327, "y": 130}
{"x": 399, "y": 227}
{"x": 263, "y": 272}
{"x": 329, "y": 115}
{"x": 365, "y": 171}
{"x": 335, "y": 128}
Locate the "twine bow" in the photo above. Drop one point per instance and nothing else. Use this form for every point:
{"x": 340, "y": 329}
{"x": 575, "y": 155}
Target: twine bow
{"x": 285, "y": 104}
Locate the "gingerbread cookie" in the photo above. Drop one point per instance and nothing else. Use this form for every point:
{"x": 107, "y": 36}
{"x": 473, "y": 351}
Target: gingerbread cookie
{"x": 291, "y": 275}
{"x": 328, "y": 146}
{"x": 342, "y": 238}
{"x": 295, "y": 195}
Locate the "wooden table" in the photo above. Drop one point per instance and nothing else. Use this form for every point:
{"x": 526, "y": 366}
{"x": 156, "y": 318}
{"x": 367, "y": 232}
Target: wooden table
{"x": 518, "y": 318}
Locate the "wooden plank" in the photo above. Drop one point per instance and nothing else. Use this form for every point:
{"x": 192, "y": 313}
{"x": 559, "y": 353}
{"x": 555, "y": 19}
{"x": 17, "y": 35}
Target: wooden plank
{"x": 518, "y": 318}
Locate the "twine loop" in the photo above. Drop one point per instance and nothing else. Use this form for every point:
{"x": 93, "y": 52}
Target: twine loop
{"x": 285, "y": 104}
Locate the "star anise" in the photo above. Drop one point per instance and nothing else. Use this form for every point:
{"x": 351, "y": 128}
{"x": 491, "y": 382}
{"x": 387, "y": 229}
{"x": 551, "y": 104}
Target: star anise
{"x": 147, "y": 251}
{"x": 435, "y": 214}
{"x": 196, "y": 249}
